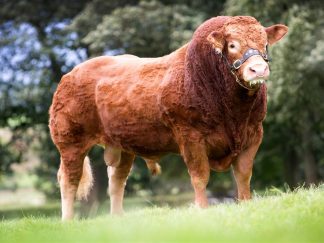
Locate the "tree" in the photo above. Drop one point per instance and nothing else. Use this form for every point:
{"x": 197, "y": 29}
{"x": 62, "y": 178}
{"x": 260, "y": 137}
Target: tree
{"x": 147, "y": 29}
{"x": 299, "y": 100}
{"x": 33, "y": 56}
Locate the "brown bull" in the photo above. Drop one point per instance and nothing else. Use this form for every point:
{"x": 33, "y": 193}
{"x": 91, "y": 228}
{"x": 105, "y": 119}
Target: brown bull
{"x": 206, "y": 101}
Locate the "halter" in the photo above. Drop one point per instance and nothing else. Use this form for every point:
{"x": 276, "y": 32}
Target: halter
{"x": 238, "y": 63}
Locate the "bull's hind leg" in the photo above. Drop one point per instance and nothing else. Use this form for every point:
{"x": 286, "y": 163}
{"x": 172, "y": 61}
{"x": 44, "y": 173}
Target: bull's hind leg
{"x": 112, "y": 156}
{"x": 117, "y": 180}
{"x": 69, "y": 176}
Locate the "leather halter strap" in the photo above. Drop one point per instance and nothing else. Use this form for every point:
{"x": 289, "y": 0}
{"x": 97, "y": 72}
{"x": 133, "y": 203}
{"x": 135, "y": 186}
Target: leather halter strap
{"x": 249, "y": 53}
{"x": 238, "y": 63}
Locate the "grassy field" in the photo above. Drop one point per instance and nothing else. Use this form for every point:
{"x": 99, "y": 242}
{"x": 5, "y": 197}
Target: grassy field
{"x": 286, "y": 217}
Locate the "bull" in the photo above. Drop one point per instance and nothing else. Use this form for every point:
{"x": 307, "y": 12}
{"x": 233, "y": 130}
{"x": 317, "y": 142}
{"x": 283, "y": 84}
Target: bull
{"x": 206, "y": 101}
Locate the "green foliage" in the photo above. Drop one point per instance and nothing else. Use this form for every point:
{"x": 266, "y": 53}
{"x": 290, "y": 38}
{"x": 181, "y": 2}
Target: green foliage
{"x": 296, "y": 94}
{"x": 208, "y": 7}
{"x": 39, "y": 13}
{"x": 267, "y": 12}
{"x": 284, "y": 217}
{"x": 9, "y": 156}
{"x": 34, "y": 51}
{"x": 47, "y": 169}
{"x": 91, "y": 15}
{"x": 148, "y": 29}
{"x": 12, "y": 148}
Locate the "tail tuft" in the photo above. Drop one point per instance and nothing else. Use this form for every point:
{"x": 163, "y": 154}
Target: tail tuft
{"x": 154, "y": 167}
{"x": 86, "y": 181}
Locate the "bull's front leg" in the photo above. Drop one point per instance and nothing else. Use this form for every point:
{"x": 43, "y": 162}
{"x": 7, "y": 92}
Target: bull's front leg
{"x": 242, "y": 169}
{"x": 195, "y": 156}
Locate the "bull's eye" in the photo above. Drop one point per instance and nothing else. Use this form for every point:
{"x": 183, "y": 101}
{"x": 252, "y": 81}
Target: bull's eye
{"x": 233, "y": 46}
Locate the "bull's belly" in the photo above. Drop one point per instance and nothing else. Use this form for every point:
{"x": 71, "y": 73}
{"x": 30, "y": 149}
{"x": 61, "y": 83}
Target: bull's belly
{"x": 145, "y": 138}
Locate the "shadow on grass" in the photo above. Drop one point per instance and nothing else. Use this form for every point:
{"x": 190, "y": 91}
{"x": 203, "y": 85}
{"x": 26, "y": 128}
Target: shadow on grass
{"x": 48, "y": 210}
{"x": 54, "y": 209}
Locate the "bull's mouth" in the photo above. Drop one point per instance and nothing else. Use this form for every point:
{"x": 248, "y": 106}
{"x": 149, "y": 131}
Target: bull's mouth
{"x": 255, "y": 82}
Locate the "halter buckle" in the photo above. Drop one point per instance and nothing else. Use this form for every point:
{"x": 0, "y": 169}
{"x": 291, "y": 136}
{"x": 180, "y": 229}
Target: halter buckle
{"x": 237, "y": 64}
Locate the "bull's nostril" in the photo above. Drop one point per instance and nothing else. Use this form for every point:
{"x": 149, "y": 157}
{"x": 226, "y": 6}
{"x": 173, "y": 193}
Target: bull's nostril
{"x": 265, "y": 69}
{"x": 258, "y": 69}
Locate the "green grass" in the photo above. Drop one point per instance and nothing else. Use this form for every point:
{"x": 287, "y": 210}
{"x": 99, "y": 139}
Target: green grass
{"x": 287, "y": 217}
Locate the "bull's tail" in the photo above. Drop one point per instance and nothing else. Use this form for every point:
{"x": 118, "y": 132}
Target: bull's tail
{"x": 153, "y": 167}
{"x": 86, "y": 180}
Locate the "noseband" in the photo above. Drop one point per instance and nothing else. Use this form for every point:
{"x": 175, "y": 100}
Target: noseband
{"x": 238, "y": 63}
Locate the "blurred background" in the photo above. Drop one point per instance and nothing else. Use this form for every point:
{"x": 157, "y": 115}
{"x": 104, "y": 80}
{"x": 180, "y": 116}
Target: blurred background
{"x": 42, "y": 40}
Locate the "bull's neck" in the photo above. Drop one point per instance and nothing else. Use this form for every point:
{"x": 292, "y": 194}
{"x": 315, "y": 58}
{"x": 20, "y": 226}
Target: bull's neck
{"x": 211, "y": 89}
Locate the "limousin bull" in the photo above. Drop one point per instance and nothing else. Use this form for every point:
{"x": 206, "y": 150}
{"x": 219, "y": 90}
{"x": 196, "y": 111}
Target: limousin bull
{"x": 205, "y": 101}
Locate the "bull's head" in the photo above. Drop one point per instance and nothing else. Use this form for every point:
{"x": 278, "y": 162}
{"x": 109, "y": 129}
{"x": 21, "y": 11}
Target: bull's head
{"x": 243, "y": 43}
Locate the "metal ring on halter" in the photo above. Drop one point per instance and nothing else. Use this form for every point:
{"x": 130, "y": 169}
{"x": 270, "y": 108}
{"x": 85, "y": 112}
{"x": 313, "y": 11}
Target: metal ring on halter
{"x": 237, "y": 64}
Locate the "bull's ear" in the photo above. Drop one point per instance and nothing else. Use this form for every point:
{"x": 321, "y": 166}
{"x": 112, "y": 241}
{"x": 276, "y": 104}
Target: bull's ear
{"x": 276, "y": 32}
{"x": 216, "y": 38}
